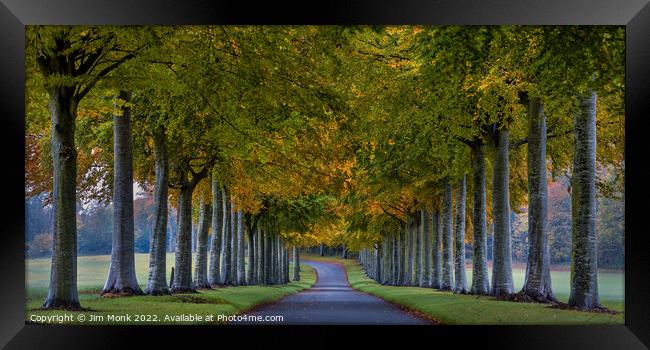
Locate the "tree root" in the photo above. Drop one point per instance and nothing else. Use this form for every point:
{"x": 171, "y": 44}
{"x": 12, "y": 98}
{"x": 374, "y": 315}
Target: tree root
{"x": 523, "y": 297}
{"x": 63, "y": 308}
{"x": 124, "y": 292}
{"x": 204, "y": 285}
{"x": 157, "y": 292}
{"x": 183, "y": 291}
{"x": 597, "y": 309}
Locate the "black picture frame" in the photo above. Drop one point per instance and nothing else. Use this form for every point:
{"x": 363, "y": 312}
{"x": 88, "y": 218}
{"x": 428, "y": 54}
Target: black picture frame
{"x": 634, "y": 14}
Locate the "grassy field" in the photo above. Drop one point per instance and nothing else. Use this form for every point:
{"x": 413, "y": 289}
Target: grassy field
{"x": 449, "y": 308}
{"x": 92, "y": 271}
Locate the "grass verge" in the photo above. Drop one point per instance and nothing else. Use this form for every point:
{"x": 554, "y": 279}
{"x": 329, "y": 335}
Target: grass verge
{"x": 449, "y": 308}
{"x": 210, "y": 305}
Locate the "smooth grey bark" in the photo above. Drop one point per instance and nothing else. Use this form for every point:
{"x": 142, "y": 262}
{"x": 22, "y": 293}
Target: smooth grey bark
{"x": 252, "y": 263}
{"x": 121, "y": 272}
{"x": 226, "y": 247}
{"x": 259, "y": 240}
{"x": 193, "y": 237}
{"x": 201, "y": 256}
{"x": 285, "y": 264}
{"x": 480, "y": 279}
{"x": 387, "y": 275}
{"x": 502, "y": 252}
{"x": 183, "y": 258}
{"x": 537, "y": 283}
{"x": 322, "y": 249}
{"x": 417, "y": 233}
{"x": 383, "y": 258}
{"x": 271, "y": 262}
{"x": 214, "y": 273}
{"x": 280, "y": 265}
{"x": 436, "y": 273}
{"x": 408, "y": 264}
{"x": 157, "y": 283}
{"x": 414, "y": 257}
{"x": 425, "y": 224}
{"x": 344, "y": 254}
{"x": 62, "y": 291}
{"x": 268, "y": 278}
{"x": 278, "y": 261}
{"x": 447, "y": 236}
{"x": 395, "y": 259}
{"x": 296, "y": 264}
{"x": 400, "y": 255}
{"x": 584, "y": 269}
{"x": 234, "y": 240}
{"x": 377, "y": 262}
{"x": 273, "y": 246}
{"x": 459, "y": 238}
{"x": 241, "y": 257}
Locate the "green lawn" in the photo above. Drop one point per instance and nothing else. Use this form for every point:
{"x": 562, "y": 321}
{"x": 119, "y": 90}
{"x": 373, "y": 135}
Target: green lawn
{"x": 92, "y": 272}
{"x": 449, "y": 308}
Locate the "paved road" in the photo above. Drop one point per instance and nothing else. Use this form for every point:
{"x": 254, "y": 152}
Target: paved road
{"x": 332, "y": 301}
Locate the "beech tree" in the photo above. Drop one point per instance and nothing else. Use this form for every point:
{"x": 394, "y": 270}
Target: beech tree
{"x": 72, "y": 60}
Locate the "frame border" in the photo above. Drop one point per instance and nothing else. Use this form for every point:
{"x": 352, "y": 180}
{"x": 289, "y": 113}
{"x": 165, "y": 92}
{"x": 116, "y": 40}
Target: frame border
{"x": 634, "y": 14}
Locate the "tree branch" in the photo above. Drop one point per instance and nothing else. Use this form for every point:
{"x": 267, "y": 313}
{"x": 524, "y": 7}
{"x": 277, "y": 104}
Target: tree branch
{"x": 390, "y": 214}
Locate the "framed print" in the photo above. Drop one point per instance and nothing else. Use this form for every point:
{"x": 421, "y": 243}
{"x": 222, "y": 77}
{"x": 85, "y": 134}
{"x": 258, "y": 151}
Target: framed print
{"x": 467, "y": 171}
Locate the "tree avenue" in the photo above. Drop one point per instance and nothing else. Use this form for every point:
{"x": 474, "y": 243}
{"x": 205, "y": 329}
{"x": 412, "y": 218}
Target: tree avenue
{"x": 409, "y": 146}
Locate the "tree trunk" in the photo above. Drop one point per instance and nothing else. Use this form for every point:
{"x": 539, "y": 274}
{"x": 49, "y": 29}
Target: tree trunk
{"x": 480, "y": 279}
{"x": 502, "y": 252}
{"x": 584, "y": 269}
{"x": 121, "y": 275}
{"x": 322, "y": 251}
{"x": 214, "y": 274}
{"x": 436, "y": 274}
{"x": 252, "y": 263}
{"x": 63, "y": 275}
{"x": 537, "y": 283}
{"x": 234, "y": 250}
{"x": 345, "y": 252}
{"x": 274, "y": 259}
{"x": 241, "y": 255}
{"x": 378, "y": 263}
{"x": 260, "y": 256}
{"x": 417, "y": 231}
{"x": 267, "y": 258}
{"x": 286, "y": 264}
{"x": 183, "y": 261}
{"x": 201, "y": 259}
{"x": 394, "y": 260}
{"x": 277, "y": 261}
{"x": 461, "y": 280}
{"x": 226, "y": 246}
{"x": 425, "y": 227}
{"x": 409, "y": 253}
{"x": 381, "y": 261}
{"x": 296, "y": 264}
{"x": 193, "y": 237}
{"x": 157, "y": 283}
{"x": 447, "y": 249}
{"x": 271, "y": 262}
